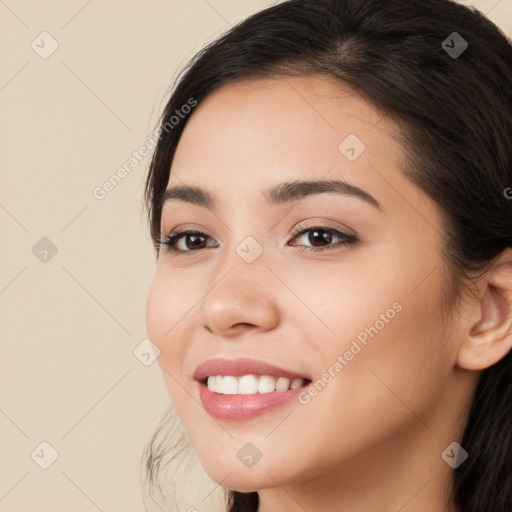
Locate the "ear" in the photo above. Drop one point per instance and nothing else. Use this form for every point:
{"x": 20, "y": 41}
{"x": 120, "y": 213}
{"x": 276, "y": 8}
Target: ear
{"x": 488, "y": 337}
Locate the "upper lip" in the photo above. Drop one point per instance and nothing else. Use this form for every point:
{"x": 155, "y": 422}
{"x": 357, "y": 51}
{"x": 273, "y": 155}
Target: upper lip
{"x": 243, "y": 366}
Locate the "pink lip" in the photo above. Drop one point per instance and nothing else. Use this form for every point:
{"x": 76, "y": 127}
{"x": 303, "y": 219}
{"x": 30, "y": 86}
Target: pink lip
{"x": 243, "y": 366}
{"x": 242, "y": 407}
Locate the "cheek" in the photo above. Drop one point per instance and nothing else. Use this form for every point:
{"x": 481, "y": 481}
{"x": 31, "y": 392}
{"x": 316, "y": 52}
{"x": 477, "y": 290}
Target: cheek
{"x": 396, "y": 375}
{"x": 157, "y": 317}
{"x": 165, "y": 314}
{"x": 395, "y": 360}
{"x": 387, "y": 314}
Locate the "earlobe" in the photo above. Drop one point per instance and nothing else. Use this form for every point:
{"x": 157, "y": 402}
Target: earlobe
{"x": 489, "y": 337}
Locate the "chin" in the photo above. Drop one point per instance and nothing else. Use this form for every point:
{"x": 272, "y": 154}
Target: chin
{"x": 247, "y": 479}
{"x": 237, "y": 481}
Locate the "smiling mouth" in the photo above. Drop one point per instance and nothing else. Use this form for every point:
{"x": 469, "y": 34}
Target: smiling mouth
{"x": 251, "y": 384}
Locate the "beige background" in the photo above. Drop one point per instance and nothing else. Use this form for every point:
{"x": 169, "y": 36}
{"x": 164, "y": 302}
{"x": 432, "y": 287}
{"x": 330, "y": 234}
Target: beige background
{"x": 70, "y": 324}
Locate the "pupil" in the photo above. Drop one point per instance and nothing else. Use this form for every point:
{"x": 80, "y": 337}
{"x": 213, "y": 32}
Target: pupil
{"x": 324, "y": 238}
{"x": 195, "y": 239}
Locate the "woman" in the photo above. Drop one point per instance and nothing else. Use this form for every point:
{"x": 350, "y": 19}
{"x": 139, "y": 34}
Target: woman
{"x": 332, "y": 298}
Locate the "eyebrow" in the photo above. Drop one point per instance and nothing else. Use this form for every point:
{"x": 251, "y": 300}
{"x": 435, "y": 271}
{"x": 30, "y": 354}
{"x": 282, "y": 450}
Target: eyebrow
{"x": 279, "y": 194}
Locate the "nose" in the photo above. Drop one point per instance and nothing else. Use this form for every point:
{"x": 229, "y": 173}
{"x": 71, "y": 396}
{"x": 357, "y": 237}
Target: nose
{"x": 243, "y": 298}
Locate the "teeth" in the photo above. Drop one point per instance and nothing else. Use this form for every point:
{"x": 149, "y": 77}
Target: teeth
{"x": 247, "y": 385}
{"x": 296, "y": 383}
{"x": 283, "y": 384}
{"x": 250, "y": 384}
{"x": 229, "y": 385}
{"x": 266, "y": 384}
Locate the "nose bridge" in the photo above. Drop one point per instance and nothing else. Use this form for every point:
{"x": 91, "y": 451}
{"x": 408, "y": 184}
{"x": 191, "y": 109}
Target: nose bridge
{"x": 243, "y": 265}
{"x": 239, "y": 293}
{"x": 246, "y": 239}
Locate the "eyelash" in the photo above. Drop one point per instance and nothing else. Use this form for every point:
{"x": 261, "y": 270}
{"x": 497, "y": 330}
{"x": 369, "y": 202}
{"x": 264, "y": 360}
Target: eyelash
{"x": 169, "y": 241}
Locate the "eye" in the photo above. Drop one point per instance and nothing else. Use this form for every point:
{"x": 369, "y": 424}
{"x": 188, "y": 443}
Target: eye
{"x": 324, "y": 236}
{"x": 189, "y": 241}
{"x": 172, "y": 242}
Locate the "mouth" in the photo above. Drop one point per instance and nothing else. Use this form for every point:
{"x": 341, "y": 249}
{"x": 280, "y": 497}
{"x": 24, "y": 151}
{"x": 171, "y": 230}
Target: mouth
{"x": 240, "y": 389}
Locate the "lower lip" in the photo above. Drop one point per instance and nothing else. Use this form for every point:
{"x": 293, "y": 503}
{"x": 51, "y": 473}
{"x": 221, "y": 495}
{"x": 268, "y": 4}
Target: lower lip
{"x": 242, "y": 407}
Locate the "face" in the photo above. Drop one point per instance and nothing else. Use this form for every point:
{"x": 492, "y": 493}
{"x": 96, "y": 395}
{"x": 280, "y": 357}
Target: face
{"x": 341, "y": 287}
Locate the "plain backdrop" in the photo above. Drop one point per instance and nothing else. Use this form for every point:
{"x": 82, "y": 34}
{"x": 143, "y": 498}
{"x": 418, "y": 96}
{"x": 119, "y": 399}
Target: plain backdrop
{"x": 81, "y": 87}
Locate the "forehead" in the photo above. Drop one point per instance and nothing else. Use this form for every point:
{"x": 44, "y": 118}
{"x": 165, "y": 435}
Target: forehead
{"x": 249, "y": 136}
{"x": 280, "y": 113}
{"x": 309, "y": 97}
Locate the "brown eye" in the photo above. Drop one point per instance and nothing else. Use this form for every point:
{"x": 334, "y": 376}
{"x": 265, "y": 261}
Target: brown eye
{"x": 324, "y": 236}
{"x": 184, "y": 241}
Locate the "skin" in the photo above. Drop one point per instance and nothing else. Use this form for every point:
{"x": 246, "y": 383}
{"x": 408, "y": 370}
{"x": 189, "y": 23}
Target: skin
{"x": 372, "y": 438}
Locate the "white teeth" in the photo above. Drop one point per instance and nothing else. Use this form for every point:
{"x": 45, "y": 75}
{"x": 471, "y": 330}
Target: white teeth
{"x": 247, "y": 385}
{"x": 229, "y": 385}
{"x": 296, "y": 383}
{"x": 267, "y": 384}
{"x": 250, "y": 384}
{"x": 283, "y": 384}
